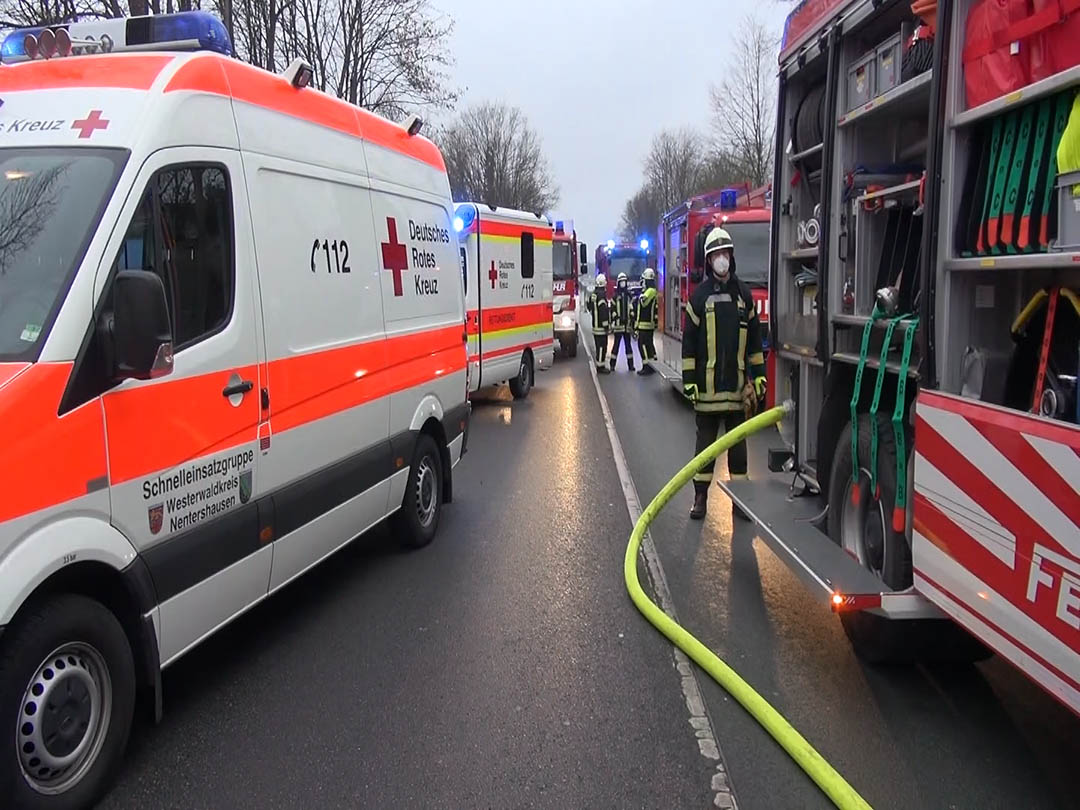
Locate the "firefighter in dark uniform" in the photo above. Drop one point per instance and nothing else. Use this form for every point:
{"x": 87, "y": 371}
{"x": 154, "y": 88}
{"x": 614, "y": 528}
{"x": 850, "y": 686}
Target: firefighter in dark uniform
{"x": 599, "y": 314}
{"x": 723, "y": 362}
{"x": 646, "y": 319}
{"x": 621, "y": 321}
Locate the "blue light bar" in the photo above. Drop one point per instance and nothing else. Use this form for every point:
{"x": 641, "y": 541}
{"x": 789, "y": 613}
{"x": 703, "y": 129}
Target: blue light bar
{"x": 644, "y": 244}
{"x": 729, "y": 198}
{"x": 186, "y": 30}
{"x": 610, "y": 244}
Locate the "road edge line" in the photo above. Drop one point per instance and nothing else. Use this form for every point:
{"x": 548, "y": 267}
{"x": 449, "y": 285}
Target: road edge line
{"x": 700, "y": 721}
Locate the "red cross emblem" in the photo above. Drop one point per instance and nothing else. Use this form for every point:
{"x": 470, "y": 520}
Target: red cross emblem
{"x": 92, "y": 122}
{"x": 493, "y": 275}
{"x": 394, "y": 256}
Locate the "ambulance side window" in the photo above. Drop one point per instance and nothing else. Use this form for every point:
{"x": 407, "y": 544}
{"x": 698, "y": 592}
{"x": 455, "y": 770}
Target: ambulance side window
{"x": 527, "y": 255}
{"x": 182, "y": 231}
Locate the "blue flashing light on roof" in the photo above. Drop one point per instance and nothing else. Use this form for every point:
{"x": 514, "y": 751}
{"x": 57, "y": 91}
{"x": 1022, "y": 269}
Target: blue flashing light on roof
{"x": 184, "y": 31}
{"x": 465, "y": 213}
{"x": 644, "y": 244}
{"x": 610, "y": 244}
{"x": 729, "y": 198}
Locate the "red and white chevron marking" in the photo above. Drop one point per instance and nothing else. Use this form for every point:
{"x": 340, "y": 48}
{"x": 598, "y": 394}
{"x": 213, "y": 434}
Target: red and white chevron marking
{"x": 996, "y": 536}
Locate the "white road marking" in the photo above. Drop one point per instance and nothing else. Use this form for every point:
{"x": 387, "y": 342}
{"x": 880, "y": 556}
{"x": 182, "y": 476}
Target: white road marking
{"x": 700, "y": 722}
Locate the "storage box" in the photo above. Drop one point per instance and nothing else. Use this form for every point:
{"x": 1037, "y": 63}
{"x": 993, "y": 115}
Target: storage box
{"x": 1068, "y": 238}
{"x": 860, "y": 84}
{"x": 889, "y": 59}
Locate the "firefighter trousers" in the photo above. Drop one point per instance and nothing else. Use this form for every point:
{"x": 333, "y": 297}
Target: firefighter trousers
{"x": 645, "y": 345}
{"x": 710, "y": 427}
{"x": 623, "y": 338}
{"x": 600, "y": 344}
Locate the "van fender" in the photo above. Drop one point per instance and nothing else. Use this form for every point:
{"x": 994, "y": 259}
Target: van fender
{"x": 429, "y": 408}
{"x": 54, "y": 546}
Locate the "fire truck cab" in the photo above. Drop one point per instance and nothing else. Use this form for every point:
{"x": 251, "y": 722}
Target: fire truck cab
{"x": 569, "y": 261}
{"x": 631, "y": 258}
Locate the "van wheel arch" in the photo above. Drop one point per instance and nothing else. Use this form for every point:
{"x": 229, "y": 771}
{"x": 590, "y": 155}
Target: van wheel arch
{"x": 129, "y": 595}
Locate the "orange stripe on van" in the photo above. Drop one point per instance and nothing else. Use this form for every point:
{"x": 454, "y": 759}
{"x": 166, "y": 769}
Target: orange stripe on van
{"x": 46, "y": 459}
{"x": 124, "y": 71}
{"x": 493, "y": 228}
{"x": 498, "y": 318}
{"x": 256, "y": 86}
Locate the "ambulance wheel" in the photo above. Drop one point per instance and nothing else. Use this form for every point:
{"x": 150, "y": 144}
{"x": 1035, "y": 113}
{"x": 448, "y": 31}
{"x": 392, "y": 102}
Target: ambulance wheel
{"x": 522, "y": 384}
{"x": 67, "y": 695}
{"x": 418, "y": 519}
{"x": 571, "y": 348}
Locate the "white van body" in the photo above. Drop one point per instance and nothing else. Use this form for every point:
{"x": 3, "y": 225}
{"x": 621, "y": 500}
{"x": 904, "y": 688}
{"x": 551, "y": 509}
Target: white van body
{"x": 506, "y": 258}
{"x": 310, "y": 269}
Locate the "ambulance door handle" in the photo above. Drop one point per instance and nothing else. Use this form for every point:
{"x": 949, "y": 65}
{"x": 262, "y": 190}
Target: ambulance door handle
{"x": 241, "y": 387}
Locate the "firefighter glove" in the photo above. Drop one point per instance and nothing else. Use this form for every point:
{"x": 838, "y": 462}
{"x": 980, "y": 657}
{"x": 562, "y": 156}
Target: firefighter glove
{"x": 760, "y": 385}
{"x": 690, "y": 392}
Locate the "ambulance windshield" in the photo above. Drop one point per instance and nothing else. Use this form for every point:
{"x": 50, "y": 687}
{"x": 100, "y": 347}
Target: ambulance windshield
{"x": 562, "y": 262}
{"x": 751, "y": 251}
{"x": 50, "y": 203}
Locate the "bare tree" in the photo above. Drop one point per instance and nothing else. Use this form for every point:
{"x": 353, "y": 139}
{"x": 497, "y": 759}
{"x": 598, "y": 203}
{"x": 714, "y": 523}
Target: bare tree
{"x": 641, "y": 216}
{"x": 493, "y": 156}
{"x": 744, "y": 106}
{"x": 673, "y": 166}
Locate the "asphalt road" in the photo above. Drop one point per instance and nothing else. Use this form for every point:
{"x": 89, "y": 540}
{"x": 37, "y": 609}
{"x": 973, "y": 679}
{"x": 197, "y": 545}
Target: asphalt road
{"x": 503, "y": 666}
{"x": 979, "y": 736}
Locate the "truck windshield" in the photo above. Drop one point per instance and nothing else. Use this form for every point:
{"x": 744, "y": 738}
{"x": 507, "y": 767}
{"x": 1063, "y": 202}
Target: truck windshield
{"x": 50, "y": 203}
{"x": 751, "y": 251}
{"x": 632, "y": 264}
{"x": 562, "y": 262}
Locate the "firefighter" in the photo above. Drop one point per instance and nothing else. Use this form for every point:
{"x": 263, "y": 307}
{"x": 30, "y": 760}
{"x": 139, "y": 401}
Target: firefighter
{"x": 621, "y": 323}
{"x": 599, "y": 314}
{"x": 723, "y": 362}
{"x": 646, "y": 319}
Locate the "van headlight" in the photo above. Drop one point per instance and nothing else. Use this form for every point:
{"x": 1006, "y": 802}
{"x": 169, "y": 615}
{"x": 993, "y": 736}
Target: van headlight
{"x": 565, "y": 321}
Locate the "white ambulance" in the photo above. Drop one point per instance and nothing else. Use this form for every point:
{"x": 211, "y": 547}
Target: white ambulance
{"x": 231, "y": 340}
{"x": 506, "y": 262}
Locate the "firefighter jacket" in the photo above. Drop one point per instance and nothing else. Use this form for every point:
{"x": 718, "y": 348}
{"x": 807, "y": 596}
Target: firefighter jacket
{"x": 646, "y": 311}
{"x": 599, "y": 312}
{"x": 621, "y": 311}
{"x": 721, "y": 343}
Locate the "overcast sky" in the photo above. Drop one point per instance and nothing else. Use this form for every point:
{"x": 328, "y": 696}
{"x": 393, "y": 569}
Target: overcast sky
{"x": 597, "y": 79}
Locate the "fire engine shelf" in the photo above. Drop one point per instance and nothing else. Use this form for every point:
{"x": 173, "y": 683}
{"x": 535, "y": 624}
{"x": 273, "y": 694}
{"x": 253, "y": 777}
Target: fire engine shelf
{"x": 786, "y": 528}
{"x": 1047, "y": 87}
{"x": 1031, "y": 261}
{"x": 801, "y": 254}
{"x": 891, "y": 191}
{"x": 872, "y": 362}
{"x": 910, "y": 97}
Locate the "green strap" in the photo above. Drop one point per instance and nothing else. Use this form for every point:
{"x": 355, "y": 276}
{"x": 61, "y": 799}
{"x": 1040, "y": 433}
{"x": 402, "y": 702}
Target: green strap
{"x": 878, "y": 385}
{"x": 855, "y": 393}
{"x": 898, "y": 426}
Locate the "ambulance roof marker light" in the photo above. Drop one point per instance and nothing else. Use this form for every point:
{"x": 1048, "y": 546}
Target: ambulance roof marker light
{"x": 413, "y": 123}
{"x": 299, "y": 73}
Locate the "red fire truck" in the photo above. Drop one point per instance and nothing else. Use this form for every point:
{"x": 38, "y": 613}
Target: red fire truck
{"x": 569, "y": 260}
{"x": 928, "y": 334}
{"x": 746, "y": 217}
{"x": 623, "y": 257}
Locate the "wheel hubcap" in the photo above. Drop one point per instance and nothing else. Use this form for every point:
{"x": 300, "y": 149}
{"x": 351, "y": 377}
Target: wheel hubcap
{"x": 863, "y": 526}
{"x": 63, "y": 718}
{"x": 523, "y": 373}
{"x": 427, "y": 491}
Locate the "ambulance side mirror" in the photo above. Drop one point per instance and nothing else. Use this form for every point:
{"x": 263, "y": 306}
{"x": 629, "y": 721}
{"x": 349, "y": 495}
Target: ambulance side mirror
{"x": 583, "y": 259}
{"x": 141, "y": 330}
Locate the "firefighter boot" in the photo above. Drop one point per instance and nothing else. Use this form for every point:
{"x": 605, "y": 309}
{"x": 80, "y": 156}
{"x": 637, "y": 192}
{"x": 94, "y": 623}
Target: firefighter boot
{"x": 701, "y": 500}
{"x": 613, "y": 362}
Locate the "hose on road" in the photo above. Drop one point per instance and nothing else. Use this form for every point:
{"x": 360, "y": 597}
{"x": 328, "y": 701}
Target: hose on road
{"x": 815, "y": 766}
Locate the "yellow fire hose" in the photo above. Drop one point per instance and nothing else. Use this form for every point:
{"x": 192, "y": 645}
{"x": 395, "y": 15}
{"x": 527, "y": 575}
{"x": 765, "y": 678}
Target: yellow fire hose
{"x": 826, "y": 777}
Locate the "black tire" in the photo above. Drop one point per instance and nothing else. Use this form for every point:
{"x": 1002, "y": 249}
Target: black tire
{"x": 884, "y": 551}
{"x": 92, "y": 653}
{"x": 571, "y": 348}
{"x": 877, "y": 639}
{"x": 522, "y": 384}
{"x": 418, "y": 519}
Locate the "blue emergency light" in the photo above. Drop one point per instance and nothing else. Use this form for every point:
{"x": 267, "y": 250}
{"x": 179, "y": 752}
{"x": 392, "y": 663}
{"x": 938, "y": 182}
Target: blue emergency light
{"x": 729, "y": 198}
{"x": 644, "y": 244}
{"x": 185, "y": 30}
{"x": 464, "y": 216}
{"x": 610, "y": 244}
